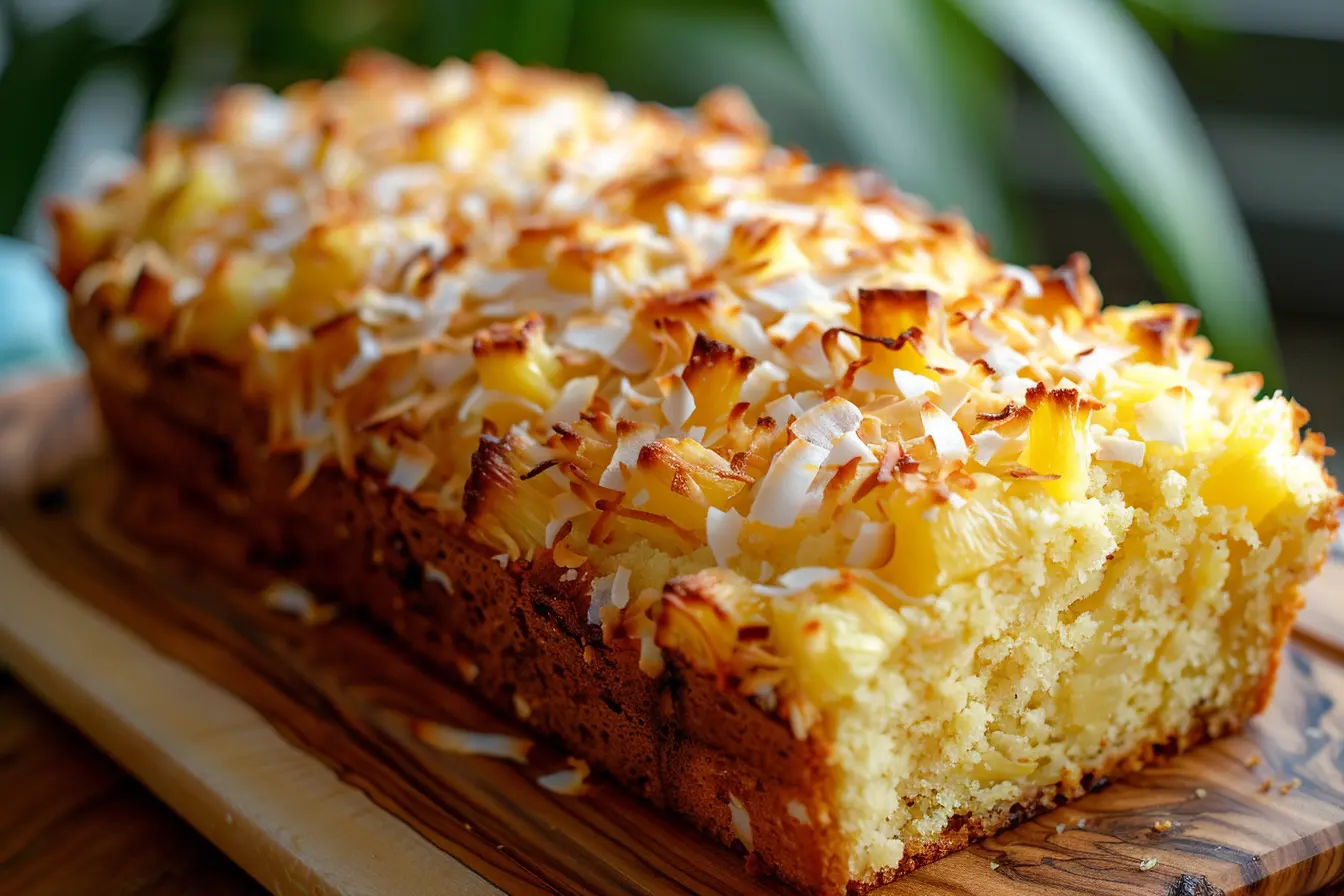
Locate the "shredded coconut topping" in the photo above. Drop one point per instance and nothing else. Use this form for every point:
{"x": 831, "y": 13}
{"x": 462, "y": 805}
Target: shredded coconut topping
{"x": 574, "y": 324}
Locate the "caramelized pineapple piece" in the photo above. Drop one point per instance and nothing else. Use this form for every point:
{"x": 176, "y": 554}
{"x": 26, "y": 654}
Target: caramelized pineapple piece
{"x": 714, "y": 375}
{"x": 703, "y": 617}
{"x": 243, "y": 286}
{"x": 329, "y": 265}
{"x": 515, "y": 359}
{"x": 502, "y": 508}
{"x": 836, "y": 636}
{"x": 1162, "y": 332}
{"x": 897, "y": 319}
{"x": 1057, "y": 441}
{"x": 211, "y": 186}
{"x": 1248, "y": 472}
{"x": 682, "y": 480}
{"x": 764, "y": 250}
{"x": 1069, "y": 296}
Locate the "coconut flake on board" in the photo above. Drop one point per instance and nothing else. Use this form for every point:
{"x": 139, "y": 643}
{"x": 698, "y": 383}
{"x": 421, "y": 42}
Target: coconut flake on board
{"x": 471, "y": 743}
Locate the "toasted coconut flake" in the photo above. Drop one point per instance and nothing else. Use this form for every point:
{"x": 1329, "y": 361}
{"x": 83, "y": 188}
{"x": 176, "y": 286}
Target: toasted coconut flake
{"x": 783, "y": 409}
{"x": 1162, "y": 420}
{"x": 761, "y": 381}
{"x": 1031, "y": 286}
{"x": 826, "y": 423}
{"x": 368, "y": 353}
{"x": 435, "y": 574}
{"x": 471, "y": 743}
{"x": 874, "y": 546}
{"x": 678, "y": 402}
{"x": 797, "y": 580}
{"x": 1120, "y": 449}
{"x": 413, "y": 465}
{"x": 574, "y": 398}
{"x": 798, "y": 812}
{"x": 722, "y": 530}
{"x": 443, "y": 370}
{"x": 1093, "y": 362}
{"x": 650, "y": 657}
{"x": 782, "y": 491}
{"x": 609, "y": 591}
{"x": 848, "y": 447}
{"x": 988, "y": 444}
{"x": 630, "y": 441}
{"x": 1004, "y": 361}
{"x": 948, "y": 439}
{"x": 572, "y": 781}
{"x": 741, "y": 820}
{"x": 600, "y": 334}
{"x": 293, "y": 599}
{"x": 912, "y": 385}
{"x": 796, "y": 292}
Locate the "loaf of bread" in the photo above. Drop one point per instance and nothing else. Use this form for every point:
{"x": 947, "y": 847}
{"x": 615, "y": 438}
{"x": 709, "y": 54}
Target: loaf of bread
{"x": 754, "y": 483}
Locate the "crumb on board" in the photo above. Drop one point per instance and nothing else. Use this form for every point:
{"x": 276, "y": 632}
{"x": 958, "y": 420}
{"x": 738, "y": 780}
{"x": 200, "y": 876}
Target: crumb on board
{"x": 1200, "y": 793}
{"x": 1266, "y": 784}
{"x": 1163, "y": 825}
{"x": 1148, "y": 864}
{"x": 1253, "y": 760}
{"x": 1291, "y": 785}
{"x": 1059, "y": 828}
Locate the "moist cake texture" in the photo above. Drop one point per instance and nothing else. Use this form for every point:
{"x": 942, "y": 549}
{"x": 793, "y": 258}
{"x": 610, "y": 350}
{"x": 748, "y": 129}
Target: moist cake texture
{"x": 874, "y": 543}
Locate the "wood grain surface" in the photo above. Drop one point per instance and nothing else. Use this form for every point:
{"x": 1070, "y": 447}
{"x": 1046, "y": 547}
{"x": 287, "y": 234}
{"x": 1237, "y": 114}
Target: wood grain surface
{"x": 344, "y": 698}
{"x": 71, "y": 821}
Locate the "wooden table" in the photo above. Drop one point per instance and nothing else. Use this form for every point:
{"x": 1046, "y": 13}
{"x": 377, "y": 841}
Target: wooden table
{"x": 71, "y": 821}
{"x": 320, "y": 786}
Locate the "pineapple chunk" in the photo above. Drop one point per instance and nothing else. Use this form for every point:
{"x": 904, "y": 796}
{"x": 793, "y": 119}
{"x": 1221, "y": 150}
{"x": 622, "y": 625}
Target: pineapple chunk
{"x": 329, "y": 265}
{"x": 1249, "y": 471}
{"x": 504, "y": 509}
{"x": 210, "y": 187}
{"x": 515, "y": 359}
{"x": 1135, "y": 391}
{"x": 702, "y": 617}
{"x": 216, "y": 322}
{"x": 1161, "y": 332}
{"x": 650, "y": 199}
{"x": 1057, "y": 443}
{"x": 896, "y": 319}
{"x": 1069, "y": 296}
{"x": 682, "y": 480}
{"x": 764, "y": 251}
{"x": 836, "y": 636}
{"x": 940, "y": 544}
{"x": 714, "y": 375}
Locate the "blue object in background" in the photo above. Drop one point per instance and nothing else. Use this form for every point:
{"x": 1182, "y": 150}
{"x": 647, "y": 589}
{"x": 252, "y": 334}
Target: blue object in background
{"x": 32, "y": 313}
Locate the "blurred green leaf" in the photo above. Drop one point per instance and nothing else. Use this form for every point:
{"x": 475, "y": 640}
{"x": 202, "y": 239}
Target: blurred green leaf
{"x": 541, "y": 31}
{"x": 673, "y": 56}
{"x": 884, "y": 69}
{"x": 1121, "y": 100}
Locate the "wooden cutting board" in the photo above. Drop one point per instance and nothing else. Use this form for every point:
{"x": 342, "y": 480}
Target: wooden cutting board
{"x": 289, "y": 746}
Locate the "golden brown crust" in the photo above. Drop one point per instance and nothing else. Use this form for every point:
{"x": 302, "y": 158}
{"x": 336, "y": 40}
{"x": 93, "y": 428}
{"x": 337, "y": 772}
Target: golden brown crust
{"x": 679, "y": 740}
